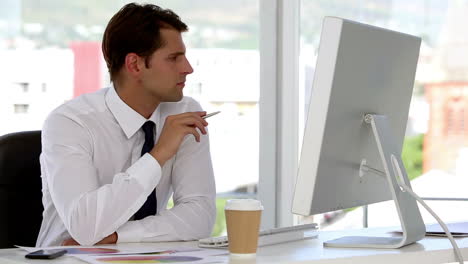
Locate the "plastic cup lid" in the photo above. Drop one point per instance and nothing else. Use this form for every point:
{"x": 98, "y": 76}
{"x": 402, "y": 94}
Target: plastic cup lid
{"x": 243, "y": 205}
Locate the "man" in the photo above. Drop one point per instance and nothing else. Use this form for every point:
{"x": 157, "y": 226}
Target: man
{"x": 112, "y": 159}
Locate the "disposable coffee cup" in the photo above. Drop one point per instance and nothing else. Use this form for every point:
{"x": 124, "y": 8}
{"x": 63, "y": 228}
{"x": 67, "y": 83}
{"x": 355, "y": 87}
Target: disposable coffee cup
{"x": 243, "y": 224}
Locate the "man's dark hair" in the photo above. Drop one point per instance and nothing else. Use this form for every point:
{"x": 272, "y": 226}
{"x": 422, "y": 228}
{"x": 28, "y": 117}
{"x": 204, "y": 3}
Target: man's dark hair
{"x": 136, "y": 28}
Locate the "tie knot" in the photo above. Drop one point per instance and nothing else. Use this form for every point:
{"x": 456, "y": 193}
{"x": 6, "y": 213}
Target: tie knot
{"x": 148, "y": 127}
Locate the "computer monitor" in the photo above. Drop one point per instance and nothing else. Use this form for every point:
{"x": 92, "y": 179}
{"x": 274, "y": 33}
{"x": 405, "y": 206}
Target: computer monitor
{"x": 351, "y": 153}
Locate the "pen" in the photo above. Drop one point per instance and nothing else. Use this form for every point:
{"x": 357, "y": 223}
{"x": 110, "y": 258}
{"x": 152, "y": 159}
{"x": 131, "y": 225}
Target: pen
{"x": 211, "y": 114}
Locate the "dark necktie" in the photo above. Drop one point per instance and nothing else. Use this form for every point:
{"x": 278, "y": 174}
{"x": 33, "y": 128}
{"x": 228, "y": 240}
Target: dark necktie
{"x": 149, "y": 207}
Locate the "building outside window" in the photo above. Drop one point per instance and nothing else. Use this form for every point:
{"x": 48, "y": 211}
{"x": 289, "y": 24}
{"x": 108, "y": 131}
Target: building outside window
{"x": 434, "y": 151}
{"x": 20, "y": 108}
{"x": 24, "y": 86}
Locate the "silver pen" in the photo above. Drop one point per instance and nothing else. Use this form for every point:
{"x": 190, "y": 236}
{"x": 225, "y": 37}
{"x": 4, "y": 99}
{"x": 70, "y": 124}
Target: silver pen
{"x": 211, "y": 114}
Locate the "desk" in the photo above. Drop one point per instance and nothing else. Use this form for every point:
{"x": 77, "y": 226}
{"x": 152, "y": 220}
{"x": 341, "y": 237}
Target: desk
{"x": 428, "y": 250}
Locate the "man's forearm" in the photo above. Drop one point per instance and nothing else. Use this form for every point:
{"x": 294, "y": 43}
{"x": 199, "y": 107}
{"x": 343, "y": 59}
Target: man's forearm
{"x": 190, "y": 219}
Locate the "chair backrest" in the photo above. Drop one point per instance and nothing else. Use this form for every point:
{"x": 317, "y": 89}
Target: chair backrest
{"x": 20, "y": 188}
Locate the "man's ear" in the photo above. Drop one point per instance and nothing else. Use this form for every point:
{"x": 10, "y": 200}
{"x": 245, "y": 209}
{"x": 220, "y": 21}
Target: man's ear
{"x": 134, "y": 64}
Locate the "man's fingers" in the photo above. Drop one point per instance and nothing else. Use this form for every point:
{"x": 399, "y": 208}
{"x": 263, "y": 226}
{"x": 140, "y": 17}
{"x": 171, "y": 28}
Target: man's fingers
{"x": 197, "y": 122}
{"x": 201, "y": 120}
{"x": 201, "y": 127}
{"x": 175, "y": 128}
{"x": 193, "y": 114}
{"x": 195, "y": 133}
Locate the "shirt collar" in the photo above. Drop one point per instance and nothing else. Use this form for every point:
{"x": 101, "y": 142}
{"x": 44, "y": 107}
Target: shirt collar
{"x": 129, "y": 120}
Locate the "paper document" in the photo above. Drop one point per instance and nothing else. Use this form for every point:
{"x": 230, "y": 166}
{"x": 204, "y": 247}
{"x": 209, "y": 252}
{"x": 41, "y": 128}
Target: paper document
{"x": 141, "y": 254}
{"x": 459, "y": 229}
{"x": 118, "y": 250}
{"x": 200, "y": 256}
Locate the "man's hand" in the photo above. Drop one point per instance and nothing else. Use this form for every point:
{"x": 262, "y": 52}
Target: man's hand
{"x": 176, "y": 127}
{"x": 111, "y": 239}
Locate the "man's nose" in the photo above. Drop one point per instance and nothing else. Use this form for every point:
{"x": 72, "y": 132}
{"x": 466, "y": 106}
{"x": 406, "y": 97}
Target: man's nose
{"x": 187, "y": 67}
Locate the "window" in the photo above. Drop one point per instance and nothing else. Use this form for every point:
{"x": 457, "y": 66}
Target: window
{"x": 62, "y": 40}
{"x": 442, "y": 76}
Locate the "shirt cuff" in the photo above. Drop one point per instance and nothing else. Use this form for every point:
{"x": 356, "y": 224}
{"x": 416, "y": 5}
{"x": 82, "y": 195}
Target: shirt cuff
{"x": 131, "y": 231}
{"x": 146, "y": 171}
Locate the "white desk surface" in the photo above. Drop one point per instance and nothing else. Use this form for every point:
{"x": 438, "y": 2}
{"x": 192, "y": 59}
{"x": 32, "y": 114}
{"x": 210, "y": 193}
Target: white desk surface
{"x": 428, "y": 250}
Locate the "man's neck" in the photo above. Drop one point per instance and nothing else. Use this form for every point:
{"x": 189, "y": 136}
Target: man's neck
{"x": 135, "y": 97}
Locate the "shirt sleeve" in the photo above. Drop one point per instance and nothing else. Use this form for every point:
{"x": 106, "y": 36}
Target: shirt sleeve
{"x": 194, "y": 211}
{"x": 88, "y": 210}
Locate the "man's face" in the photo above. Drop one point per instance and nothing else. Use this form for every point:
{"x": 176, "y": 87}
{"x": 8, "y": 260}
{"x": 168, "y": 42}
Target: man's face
{"x": 167, "y": 68}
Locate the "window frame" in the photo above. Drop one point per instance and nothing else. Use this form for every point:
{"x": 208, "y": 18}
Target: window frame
{"x": 279, "y": 114}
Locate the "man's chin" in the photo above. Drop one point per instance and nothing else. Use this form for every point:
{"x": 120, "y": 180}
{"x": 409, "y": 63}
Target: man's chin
{"x": 175, "y": 98}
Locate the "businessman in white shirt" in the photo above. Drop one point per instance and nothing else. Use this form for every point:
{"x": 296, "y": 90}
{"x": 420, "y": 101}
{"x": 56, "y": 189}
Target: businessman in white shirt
{"x": 112, "y": 159}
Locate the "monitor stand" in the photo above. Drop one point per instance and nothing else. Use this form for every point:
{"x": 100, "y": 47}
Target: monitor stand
{"x": 411, "y": 221}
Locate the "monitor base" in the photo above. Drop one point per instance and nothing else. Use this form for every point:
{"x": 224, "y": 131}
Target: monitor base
{"x": 365, "y": 242}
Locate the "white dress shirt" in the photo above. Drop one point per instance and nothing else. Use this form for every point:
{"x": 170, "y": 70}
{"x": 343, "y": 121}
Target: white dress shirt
{"x": 94, "y": 179}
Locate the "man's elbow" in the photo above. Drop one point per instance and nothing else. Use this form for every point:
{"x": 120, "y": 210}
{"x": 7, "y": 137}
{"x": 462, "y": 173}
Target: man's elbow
{"x": 197, "y": 233}
{"x": 201, "y": 226}
{"x": 205, "y": 231}
{"x": 83, "y": 231}
{"x": 205, "y": 228}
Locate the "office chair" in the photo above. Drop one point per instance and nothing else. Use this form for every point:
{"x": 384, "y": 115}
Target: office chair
{"x": 20, "y": 188}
